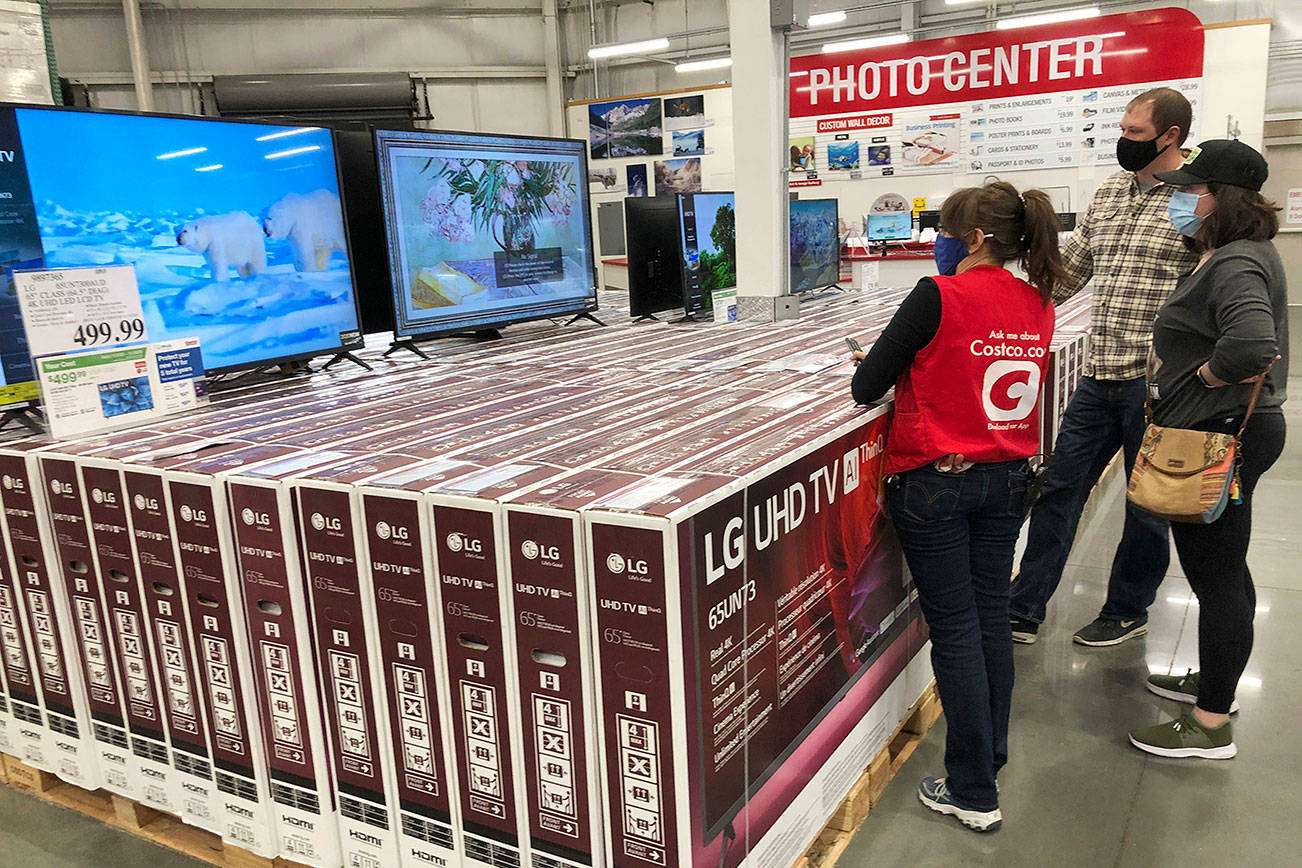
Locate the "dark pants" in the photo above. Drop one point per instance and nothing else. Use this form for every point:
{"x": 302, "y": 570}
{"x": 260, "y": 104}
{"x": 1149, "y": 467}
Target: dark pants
{"x": 1102, "y": 416}
{"x": 958, "y": 531}
{"x": 1214, "y": 558}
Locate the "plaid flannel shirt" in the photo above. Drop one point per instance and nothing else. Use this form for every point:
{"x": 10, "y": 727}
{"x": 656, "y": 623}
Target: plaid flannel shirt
{"x": 1127, "y": 244}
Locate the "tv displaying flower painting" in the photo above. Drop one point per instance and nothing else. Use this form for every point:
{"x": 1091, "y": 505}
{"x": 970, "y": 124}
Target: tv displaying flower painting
{"x": 484, "y": 230}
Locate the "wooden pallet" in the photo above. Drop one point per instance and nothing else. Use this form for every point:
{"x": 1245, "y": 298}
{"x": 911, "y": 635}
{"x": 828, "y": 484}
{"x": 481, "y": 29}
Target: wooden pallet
{"x": 868, "y": 790}
{"x": 130, "y": 816}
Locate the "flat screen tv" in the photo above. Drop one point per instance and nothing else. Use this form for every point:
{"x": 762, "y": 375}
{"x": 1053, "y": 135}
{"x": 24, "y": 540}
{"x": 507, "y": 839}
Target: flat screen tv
{"x": 890, "y": 227}
{"x": 370, "y": 248}
{"x": 655, "y": 266}
{"x": 235, "y": 229}
{"x": 708, "y": 232}
{"x": 484, "y": 230}
{"x": 815, "y": 244}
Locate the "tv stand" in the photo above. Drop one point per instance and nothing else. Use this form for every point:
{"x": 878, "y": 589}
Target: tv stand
{"x": 346, "y": 356}
{"x": 26, "y": 415}
{"x": 404, "y": 344}
{"x": 689, "y": 317}
{"x": 587, "y": 316}
{"x": 647, "y": 316}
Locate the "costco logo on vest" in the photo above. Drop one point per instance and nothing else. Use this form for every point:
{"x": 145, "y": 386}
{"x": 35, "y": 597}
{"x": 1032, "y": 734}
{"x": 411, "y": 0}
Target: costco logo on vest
{"x": 1009, "y": 390}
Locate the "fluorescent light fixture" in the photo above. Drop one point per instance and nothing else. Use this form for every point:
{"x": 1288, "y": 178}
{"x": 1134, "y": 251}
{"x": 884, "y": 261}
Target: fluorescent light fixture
{"x": 870, "y": 42}
{"x": 822, "y": 19}
{"x": 286, "y": 133}
{"x": 1047, "y": 18}
{"x": 699, "y": 65}
{"x": 214, "y": 167}
{"x": 186, "y": 153}
{"x": 292, "y": 151}
{"x": 644, "y": 47}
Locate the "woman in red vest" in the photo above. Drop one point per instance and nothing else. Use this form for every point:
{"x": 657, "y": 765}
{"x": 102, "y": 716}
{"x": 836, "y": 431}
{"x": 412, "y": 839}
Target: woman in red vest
{"x": 966, "y": 353}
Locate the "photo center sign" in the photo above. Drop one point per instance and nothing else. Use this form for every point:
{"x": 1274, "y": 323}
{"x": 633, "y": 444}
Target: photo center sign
{"x": 987, "y": 101}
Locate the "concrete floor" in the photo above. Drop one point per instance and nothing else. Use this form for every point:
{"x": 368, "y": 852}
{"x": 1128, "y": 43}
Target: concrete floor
{"x": 1074, "y": 791}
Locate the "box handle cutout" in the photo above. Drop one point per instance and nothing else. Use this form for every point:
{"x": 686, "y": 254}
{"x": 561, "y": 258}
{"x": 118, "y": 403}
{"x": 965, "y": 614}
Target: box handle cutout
{"x": 30, "y": 561}
{"x": 403, "y": 628}
{"x": 205, "y": 600}
{"x": 269, "y": 607}
{"x": 638, "y": 673}
{"x": 77, "y": 566}
{"x": 548, "y": 658}
{"x": 163, "y": 589}
{"x": 473, "y": 642}
{"x": 119, "y": 576}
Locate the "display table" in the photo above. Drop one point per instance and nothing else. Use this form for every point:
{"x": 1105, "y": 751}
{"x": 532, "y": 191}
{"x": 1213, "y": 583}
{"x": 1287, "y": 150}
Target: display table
{"x": 898, "y": 263}
{"x": 614, "y": 273}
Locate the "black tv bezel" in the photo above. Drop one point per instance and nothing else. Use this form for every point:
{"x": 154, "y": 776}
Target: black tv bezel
{"x": 836, "y": 202}
{"x": 590, "y": 303}
{"x": 339, "y": 184}
{"x": 672, "y": 208}
{"x": 682, "y": 252}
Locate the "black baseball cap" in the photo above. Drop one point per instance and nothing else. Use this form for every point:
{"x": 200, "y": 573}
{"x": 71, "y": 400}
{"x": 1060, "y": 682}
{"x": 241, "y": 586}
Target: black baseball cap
{"x": 1223, "y": 161}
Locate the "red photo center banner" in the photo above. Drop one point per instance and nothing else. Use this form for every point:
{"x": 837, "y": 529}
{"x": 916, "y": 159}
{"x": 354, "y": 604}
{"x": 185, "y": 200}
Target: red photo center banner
{"x": 1108, "y": 51}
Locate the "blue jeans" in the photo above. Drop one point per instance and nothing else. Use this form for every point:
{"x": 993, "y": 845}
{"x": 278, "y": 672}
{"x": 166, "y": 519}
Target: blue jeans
{"x": 1101, "y": 417}
{"x": 958, "y": 532}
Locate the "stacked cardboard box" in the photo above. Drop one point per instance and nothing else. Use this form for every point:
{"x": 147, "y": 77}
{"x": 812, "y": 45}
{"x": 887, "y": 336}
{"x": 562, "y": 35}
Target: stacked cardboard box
{"x": 617, "y": 596}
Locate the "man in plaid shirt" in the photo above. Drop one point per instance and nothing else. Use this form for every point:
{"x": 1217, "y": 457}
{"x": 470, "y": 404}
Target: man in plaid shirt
{"x": 1127, "y": 244}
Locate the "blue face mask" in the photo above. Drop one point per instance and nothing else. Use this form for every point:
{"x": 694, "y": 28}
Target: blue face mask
{"x": 949, "y": 253}
{"x": 1181, "y": 211}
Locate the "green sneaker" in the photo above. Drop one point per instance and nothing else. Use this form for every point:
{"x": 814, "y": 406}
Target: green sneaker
{"x": 1181, "y": 688}
{"x": 1186, "y": 737}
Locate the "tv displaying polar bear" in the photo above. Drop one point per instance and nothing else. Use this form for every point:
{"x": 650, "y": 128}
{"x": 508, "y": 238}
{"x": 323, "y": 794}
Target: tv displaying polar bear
{"x": 227, "y": 241}
{"x": 313, "y": 223}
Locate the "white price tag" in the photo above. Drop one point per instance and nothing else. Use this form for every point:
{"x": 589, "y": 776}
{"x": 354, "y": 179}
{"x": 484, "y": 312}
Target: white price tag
{"x": 87, "y": 392}
{"x": 70, "y": 309}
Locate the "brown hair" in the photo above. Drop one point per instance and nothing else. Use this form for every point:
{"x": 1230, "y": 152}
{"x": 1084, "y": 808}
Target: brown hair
{"x": 1240, "y": 215}
{"x": 1170, "y": 109}
{"x": 1023, "y": 226}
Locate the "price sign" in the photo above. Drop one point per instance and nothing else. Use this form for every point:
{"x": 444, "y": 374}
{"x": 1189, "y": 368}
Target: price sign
{"x": 71, "y": 309}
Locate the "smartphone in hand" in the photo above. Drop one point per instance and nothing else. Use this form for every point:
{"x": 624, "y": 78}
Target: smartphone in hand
{"x": 853, "y": 345}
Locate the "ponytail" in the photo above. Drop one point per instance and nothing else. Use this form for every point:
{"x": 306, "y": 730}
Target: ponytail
{"x": 1016, "y": 226}
{"x": 1040, "y": 258}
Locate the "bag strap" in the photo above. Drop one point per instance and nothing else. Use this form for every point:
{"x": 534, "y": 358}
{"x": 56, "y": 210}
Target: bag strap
{"x": 1252, "y": 402}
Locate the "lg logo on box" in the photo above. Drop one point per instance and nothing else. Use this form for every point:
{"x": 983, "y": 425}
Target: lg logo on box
{"x": 188, "y": 514}
{"x": 55, "y": 485}
{"x": 250, "y": 517}
{"x": 1009, "y": 391}
{"x": 384, "y": 530}
{"x": 100, "y": 496}
{"x": 321, "y": 522}
{"x": 143, "y": 503}
{"x": 620, "y": 565}
{"x": 460, "y": 542}
{"x": 533, "y": 551}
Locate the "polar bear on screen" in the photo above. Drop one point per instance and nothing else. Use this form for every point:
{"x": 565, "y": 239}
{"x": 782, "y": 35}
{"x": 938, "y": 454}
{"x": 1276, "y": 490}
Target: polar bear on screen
{"x": 226, "y": 241}
{"x": 314, "y": 225}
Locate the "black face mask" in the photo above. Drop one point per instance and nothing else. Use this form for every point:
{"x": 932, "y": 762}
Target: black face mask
{"x": 1133, "y": 155}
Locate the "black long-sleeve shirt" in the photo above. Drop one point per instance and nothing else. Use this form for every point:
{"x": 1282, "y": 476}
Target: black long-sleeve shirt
{"x": 912, "y": 327}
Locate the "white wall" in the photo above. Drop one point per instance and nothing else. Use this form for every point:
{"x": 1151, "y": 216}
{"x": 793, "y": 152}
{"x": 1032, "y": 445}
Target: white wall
{"x": 486, "y": 71}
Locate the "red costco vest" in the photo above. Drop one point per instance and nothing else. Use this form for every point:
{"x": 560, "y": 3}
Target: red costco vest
{"x": 974, "y": 389}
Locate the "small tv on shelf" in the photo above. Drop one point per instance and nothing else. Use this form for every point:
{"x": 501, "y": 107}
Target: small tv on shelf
{"x": 708, "y": 233}
{"x": 890, "y": 227}
{"x": 235, "y": 229}
{"x": 484, "y": 230}
{"x": 815, "y": 244}
{"x": 655, "y": 266}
